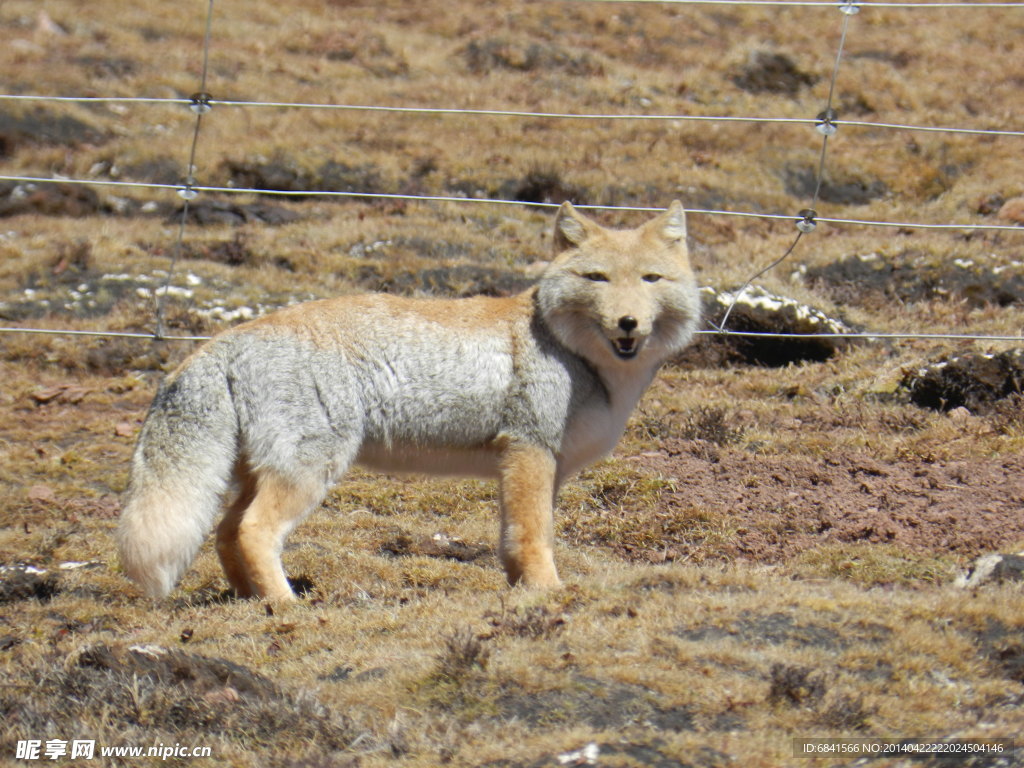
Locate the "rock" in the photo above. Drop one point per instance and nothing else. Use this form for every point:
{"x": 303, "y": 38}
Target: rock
{"x": 972, "y": 381}
{"x": 70, "y": 394}
{"x": 1012, "y": 210}
{"x": 959, "y": 414}
{"x": 992, "y": 569}
{"x": 761, "y": 311}
{"x": 45, "y": 25}
{"x": 42, "y": 494}
{"x": 586, "y": 755}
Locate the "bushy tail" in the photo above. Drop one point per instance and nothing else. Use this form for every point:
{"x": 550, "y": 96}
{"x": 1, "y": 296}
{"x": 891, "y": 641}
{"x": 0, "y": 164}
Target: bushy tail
{"x": 180, "y": 472}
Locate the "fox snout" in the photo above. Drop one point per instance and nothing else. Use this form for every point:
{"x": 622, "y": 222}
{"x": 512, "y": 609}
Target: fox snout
{"x": 626, "y": 339}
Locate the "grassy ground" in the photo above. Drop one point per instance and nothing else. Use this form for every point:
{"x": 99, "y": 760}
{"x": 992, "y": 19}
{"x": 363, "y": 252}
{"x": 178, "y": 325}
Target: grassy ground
{"x": 767, "y": 556}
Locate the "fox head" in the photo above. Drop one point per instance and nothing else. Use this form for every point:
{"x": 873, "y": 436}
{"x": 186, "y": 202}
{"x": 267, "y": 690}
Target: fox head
{"x": 620, "y": 297}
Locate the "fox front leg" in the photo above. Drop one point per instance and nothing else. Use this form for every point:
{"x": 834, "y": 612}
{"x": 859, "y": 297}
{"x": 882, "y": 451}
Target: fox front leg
{"x": 527, "y": 515}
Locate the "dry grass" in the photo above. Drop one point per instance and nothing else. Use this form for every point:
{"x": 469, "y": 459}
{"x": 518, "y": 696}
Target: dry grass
{"x": 675, "y": 644}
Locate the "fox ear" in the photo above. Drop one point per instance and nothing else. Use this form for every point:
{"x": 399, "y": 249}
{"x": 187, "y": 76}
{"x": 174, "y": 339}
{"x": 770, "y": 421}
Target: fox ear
{"x": 571, "y": 228}
{"x": 671, "y": 225}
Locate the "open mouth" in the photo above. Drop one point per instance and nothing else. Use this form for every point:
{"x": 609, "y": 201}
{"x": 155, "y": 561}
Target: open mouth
{"x": 626, "y": 347}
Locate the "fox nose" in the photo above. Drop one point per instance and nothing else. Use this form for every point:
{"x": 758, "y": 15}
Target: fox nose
{"x": 628, "y": 323}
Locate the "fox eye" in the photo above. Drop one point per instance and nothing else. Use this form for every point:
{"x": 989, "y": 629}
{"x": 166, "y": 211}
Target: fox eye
{"x": 596, "y": 277}
{"x": 651, "y": 278}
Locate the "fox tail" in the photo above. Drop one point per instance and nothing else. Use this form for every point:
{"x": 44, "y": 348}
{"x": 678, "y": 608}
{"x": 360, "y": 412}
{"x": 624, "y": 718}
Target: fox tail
{"x": 181, "y": 471}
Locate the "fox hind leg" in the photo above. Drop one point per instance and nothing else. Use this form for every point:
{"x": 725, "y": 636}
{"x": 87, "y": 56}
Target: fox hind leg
{"x": 251, "y": 536}
{"x": 227, "y": 533}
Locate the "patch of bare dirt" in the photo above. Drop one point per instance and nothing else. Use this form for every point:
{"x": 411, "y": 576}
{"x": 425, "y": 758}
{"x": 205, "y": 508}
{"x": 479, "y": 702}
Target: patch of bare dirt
{"x": 757, "y": 310}
{"x": 217, "y": 212}
{"x": 877, "y": 279}
{"x": 25, "y": 582}
{"x": 781, "y": 506}
{"x": 848, "y": 188}
{"x": 768, "y": 72}
{"x": 42, "y": 127}
{"x": 18, "y": 198}
{"x": 484, "y": 56}
{"x": 974, "y": 380}
{"x": 439, "y": 545}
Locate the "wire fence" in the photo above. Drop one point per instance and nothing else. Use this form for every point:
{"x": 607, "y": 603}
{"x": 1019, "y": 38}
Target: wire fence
{"x": 827, "y": 123}
{"x": 185, "y": 189}
{"x": 520, "y": 114}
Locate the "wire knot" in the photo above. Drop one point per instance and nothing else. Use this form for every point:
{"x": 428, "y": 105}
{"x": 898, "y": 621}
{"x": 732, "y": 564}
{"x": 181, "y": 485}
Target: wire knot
{"x": 807, "y": 221}
{"x": 825, "y": 122}
{"x": 200, "y": 102}
{"x": 188, "y": 191}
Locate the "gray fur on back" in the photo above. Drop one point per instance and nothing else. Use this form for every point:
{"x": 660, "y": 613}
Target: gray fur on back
{"x": 302, "y": 408}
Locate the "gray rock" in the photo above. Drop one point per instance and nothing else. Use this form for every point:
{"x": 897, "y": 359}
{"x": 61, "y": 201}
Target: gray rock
{"x": 992, "y": 569}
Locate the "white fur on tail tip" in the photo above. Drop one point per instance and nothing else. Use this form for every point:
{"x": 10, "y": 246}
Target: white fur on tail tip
{"x": 157, "y": 538}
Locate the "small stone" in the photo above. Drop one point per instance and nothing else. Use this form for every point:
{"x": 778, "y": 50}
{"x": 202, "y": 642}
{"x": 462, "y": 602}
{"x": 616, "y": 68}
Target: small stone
{"x": 42, "y": 494}
{"x": 219, "y": 697}
{"x": 959, "y": 414}
{"x": 586, "y": 756}
{"x": 992, "y": 569}
{"x": 1012, "y": 210}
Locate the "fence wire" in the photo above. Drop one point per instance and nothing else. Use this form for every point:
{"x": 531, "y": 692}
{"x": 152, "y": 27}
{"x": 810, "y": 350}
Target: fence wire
{"x": 199, "y": 188}
{"x": 827, "y": 123}
{"x": 512, "y": 113}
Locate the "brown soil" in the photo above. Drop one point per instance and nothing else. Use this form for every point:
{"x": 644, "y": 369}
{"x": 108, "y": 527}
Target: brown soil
{"x": 782, "y": 506}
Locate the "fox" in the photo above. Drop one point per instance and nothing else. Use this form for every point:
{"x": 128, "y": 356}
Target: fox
{"x": 263, "y": 419}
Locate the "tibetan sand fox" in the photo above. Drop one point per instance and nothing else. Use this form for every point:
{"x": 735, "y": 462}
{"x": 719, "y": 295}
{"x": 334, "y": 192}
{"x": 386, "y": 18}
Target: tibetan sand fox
{"x": 264, "y": 418}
